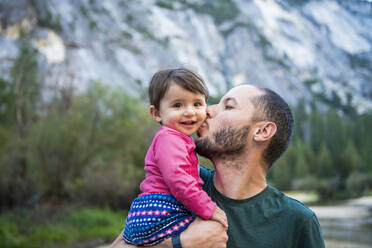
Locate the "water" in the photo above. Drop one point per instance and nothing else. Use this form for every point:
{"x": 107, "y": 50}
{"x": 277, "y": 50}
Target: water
{"x": 348, "y": 222}
{"x": 356, "y": 231}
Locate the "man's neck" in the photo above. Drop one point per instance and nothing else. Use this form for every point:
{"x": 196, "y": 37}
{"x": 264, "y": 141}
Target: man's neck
{"x": 238, "y": 177}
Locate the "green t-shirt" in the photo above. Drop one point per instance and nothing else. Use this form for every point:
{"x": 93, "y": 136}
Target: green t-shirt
{"x": 269, "y": 219}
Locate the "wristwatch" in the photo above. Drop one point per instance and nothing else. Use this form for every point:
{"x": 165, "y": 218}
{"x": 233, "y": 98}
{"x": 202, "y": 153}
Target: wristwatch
{"x": 176, "y": 241}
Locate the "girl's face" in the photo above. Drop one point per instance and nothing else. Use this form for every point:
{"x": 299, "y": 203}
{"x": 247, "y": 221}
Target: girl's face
{"x": 181, "y": 110}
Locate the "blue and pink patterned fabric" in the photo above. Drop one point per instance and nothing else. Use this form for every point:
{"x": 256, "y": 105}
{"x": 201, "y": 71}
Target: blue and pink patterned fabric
{"x": 155, "y": 217}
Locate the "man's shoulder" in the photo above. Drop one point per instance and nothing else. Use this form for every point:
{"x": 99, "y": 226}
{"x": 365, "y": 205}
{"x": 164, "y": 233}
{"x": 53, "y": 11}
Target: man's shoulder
{"x": 296, "y": 207}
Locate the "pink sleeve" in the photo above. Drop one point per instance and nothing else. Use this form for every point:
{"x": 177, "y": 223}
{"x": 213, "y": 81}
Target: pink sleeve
{"x": 171, "y": 157}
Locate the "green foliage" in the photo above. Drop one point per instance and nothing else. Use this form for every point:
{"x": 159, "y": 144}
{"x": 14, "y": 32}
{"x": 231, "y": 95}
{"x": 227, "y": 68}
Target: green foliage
{"x": 281, "y": 174}
{"x": 165, "y": 4}
{"x": 263, "y": 41}
{"x": 236, "y": 25}
{"x": 26, "y": 86}
{"x": 18, "y": 112}
{"x": 214, "y": 99}
{"x": 358, "y": 182}
{"x": 61, "y": 151}
{"x": 328, "y": 153}
{"x": 358, "y": 61}
{"x": 289, "y": 3}
{"x": 308, "y": 183}
{"x": 7, "y": 103}
{"x": 301, "y": 166}
{"x": 94, "y": 140}
{"x": 325, "y": 168}
{"x": 350, "y": 160}
{"x": 220, "y": 10}
{"x": 44, "y": 17}
{"x": 45, "y": 227}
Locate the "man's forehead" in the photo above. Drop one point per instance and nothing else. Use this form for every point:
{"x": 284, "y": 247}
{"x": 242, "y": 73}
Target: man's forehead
{"x": 242, "y": 93}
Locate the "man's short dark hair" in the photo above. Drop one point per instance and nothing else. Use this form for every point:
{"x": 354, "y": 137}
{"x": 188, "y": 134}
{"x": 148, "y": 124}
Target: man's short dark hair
{"x": 271, "y": 107}
{"x": 183, "y": 77}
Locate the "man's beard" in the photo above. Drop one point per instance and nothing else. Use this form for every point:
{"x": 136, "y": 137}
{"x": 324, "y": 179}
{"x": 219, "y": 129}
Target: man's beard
{"x": 227, "y": 141}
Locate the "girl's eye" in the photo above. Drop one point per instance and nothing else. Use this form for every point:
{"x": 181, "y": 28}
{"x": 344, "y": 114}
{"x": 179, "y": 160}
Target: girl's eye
{"x": 177, "y": 105}
{"x": 197, "y": 104}
{"x": 228, "y": 107}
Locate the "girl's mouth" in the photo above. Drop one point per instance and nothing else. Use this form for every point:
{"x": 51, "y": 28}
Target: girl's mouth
{"x": 188, "y": 122}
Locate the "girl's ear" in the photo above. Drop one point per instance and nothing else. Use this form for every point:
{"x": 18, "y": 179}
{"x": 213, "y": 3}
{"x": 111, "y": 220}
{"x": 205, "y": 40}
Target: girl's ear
{"x": 155, "y": 113}
{"x": 264, "y": 131}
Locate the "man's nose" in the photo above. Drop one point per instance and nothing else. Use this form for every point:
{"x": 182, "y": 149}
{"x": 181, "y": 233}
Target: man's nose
{"x": 211, "y": 111}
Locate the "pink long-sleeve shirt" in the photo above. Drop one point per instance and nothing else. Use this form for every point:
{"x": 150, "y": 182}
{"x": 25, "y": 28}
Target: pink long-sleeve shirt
{"x": 172, "y": 168}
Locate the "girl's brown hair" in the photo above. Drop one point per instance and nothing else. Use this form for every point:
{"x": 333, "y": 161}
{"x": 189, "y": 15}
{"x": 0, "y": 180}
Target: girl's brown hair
{"x": 183, "y": 77}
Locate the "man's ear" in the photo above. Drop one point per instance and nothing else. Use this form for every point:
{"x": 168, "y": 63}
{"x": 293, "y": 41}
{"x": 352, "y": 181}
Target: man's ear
{"x": 264, "y": 131}
{"x": 154, "y": 113}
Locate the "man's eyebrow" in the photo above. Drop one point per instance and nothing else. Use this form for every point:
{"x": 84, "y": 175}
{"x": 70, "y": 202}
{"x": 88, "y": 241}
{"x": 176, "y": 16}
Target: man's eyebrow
{"x": 230, "y": 99}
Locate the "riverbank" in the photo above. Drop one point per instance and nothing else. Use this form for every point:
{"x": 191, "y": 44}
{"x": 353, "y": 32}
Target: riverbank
{"x": 341, "y": 244}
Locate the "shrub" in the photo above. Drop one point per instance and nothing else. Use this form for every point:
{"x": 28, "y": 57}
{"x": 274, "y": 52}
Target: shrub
{"x": 358, "y": 183}
{"x": 93, "y": 150}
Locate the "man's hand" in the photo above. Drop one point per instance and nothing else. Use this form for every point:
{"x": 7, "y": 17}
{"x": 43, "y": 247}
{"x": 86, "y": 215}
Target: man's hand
{"x": 119, "y": 242}
{"x": 204, "y": 234}
{"x": 200, "y": 234}
{"x": 220, "y": 216}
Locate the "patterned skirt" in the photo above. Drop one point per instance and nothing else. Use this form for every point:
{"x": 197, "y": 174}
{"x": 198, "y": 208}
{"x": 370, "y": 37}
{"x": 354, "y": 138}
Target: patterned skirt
{"x": 155, "y": 217}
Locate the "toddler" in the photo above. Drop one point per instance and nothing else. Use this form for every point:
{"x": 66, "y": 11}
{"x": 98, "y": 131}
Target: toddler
{"x": 171, "y": 190}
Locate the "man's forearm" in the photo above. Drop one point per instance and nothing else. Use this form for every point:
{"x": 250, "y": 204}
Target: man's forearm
{"x": 200, "y": 233}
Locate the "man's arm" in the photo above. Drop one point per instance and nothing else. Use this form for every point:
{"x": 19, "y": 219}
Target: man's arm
{"x": 200, "y": 233}
{"x": 204, "y": 233}
{"x": 312, "y": 236}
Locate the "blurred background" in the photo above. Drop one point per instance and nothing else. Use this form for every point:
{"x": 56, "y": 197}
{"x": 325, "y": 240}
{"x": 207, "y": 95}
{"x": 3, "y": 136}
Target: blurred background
{"x": 74, "y": 126}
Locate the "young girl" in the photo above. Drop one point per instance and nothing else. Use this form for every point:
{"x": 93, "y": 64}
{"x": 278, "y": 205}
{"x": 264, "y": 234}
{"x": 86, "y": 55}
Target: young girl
{"x": 171, "y": 190}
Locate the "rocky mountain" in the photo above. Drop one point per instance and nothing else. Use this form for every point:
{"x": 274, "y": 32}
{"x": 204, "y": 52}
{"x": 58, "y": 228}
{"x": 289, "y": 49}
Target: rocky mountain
{"x": 300, "y": 48}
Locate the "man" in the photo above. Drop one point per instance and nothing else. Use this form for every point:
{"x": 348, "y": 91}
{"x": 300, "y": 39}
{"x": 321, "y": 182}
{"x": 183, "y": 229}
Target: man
{"x": 244, "y": 135}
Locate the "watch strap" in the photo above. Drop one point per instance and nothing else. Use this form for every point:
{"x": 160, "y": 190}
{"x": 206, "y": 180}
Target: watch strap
{"x": 176, "y": 241}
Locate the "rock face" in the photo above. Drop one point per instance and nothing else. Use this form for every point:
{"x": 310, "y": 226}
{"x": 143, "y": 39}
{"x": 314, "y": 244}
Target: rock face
{"x": 298, "y": 48}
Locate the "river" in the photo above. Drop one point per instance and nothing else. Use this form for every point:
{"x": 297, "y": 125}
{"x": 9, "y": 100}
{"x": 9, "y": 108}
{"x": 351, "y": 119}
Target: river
{"x": 347, "y": 224}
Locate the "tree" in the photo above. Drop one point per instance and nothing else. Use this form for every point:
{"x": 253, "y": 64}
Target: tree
{"x": 335, "y": 134}
{"x": 94, "y": 150}
{"x": 301, "y": 165}
{"x": 351, "y": 161}
{"x": 317, "y": 129}
{"x": 21, "y": 97}
{"x": 282, "y": 173}
{"x": 326, "y": 167}
{"x": 300, "y": 117}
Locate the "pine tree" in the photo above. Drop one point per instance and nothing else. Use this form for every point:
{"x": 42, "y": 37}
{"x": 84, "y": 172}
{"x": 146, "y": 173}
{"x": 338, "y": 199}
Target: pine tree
{"x": 335, "y": 134}
{"x": 311, "y": 159}
{"x": 317, "y": 129}
{"x": 282, "y": 173}
{"x": 326, "y": 167}
{"x": 300, "y": 117}
{"x": 351, "y": 161}
{"x": 301, "y": 165}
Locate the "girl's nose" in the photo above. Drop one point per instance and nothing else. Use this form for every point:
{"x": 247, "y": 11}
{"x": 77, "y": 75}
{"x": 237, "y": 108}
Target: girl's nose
{"x": 189, "y": 111}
